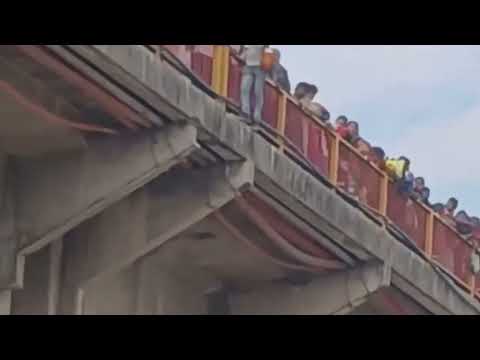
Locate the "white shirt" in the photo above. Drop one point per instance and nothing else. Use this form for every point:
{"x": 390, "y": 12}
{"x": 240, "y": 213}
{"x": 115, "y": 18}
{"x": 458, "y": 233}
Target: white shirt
{"x": 253, "y": 54}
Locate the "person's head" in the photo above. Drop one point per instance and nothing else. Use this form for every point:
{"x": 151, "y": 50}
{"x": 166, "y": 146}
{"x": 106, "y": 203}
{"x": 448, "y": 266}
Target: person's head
{"x": 341, "y": 121}
{"x": 438, "y": 207}
{"x": 354, "y": 128}
{"x": 277, "y": 55}
{"x": 320, "y": 111}
{"x": 463, "y": 223}
{"x": 378, "y": 153}
{"x": 362, "y": 146}
{"x": 419, "y": 183}
{"x": 312, "y": 91}
{"x": 451, "y": 204}
{"x": 462, "y": 216}
{"x": 475, "y": 221}
{"x": 425, "y": 193}
{"x": 301, "y": 90}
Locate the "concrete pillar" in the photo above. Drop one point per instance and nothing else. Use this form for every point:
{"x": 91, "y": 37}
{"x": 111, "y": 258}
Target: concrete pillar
{"x": 114, "y": 294}
{"x": 172, "y": 288}
{"x": 32, "y": 298}
{"x": 336, "y": 293}
{"x": 8, "y": 233}
{"x": 39, "y": 294}
{"x": 5, "y": 302}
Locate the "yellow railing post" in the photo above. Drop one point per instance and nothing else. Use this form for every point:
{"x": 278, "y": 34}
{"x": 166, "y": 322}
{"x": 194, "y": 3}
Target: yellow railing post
{"x": 305, "y": 132}
{"x": 472, "y": 284}
{"x": 384, "y": 195}
{"x": 218, "y": 72}
{"x": 429, "y": 234}
{"x": 282, "y": 118}
{"x": 334, "y": 159}
{"x": 225, "y": 71}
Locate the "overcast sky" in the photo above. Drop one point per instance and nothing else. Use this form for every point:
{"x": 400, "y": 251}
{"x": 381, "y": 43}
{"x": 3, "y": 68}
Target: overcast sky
{"x": 419, "y": 101}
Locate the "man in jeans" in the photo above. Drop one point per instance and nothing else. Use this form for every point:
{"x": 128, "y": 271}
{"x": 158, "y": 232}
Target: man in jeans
{"x": 252, "y": 74}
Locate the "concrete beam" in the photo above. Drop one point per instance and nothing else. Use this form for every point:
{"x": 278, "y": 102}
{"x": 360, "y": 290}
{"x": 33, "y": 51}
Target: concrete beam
{"x": 56, "y": 193}
{"x": 336, "y": 293}
{"x": 139, "y": 224}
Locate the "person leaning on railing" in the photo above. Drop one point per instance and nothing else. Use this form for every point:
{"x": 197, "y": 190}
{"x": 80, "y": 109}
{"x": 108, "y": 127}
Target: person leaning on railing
{"x": 305, "y": 93}
{"x": 378, "y": 157}
{"x": 399, "y": 170}
{"x": 448, "y": 213}
{"x": 252, "y": 75}
{"x": 278, "y": 73}
{"x": 463, "y": 223}
{"x": 363, "y": 147}
{"x": 425, "y": 196}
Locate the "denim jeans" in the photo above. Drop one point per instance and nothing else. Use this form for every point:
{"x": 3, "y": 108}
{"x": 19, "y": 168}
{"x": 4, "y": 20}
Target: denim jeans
{"x": 252, "y": 75}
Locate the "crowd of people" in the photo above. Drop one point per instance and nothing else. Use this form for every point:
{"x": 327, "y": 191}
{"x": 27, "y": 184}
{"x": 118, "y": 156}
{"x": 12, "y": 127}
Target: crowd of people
{"x": 257, "y": 69}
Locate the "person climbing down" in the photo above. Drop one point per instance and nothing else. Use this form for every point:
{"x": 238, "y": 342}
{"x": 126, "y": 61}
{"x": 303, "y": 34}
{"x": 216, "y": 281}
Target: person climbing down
{"x": 252, "y": 75}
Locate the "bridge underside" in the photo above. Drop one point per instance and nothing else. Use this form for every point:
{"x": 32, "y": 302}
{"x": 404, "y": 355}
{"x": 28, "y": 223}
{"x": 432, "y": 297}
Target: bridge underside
{"x": 174, "y": 216}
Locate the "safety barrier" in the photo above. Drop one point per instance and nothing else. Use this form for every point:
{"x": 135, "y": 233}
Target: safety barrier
{"x": 344, "y": 166}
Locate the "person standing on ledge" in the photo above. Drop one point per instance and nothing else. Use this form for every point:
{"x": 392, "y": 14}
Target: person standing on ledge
{"x": 252, "y": 74}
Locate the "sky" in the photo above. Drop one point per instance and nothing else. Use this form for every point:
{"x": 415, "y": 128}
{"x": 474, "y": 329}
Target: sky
{"x": 419, "y": 101}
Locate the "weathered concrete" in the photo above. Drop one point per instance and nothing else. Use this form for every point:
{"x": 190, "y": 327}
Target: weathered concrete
{"x": 8, "y": 233}
{"x": 337, "y": 293}
{"x": 276, "y": 172}
{"x": 5, "y": 302}
{"x": 34, "y": 298}
{"x": 25, "y": 133}
{"x": 53, "y": 194}
{"x": 85, "y": 183}
{"x": 115, "y": 295}
{"x": 137, "y": 225}
{"x": 146, "y": 287}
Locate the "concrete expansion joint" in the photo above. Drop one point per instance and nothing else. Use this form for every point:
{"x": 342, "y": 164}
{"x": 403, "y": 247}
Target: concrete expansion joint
{"x": 176, "y": 137}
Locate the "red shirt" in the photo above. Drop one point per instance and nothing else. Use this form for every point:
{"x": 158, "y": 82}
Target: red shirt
{"x": 344, "y": 132}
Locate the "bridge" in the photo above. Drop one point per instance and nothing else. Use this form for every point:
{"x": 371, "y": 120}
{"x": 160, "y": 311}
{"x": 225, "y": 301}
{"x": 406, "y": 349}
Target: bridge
{"x": 129, "y": 184}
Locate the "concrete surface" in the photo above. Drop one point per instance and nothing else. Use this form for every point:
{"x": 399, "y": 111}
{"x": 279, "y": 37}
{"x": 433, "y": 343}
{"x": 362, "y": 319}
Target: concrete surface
{"x": 336, "y": 293}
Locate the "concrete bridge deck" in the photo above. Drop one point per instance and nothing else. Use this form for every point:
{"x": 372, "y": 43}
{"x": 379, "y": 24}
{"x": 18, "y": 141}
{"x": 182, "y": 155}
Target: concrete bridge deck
{"x": 169, "y": 204}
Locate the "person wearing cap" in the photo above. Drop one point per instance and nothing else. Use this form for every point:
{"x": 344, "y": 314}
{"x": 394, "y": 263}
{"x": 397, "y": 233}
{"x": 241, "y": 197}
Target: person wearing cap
{"x": 252, "y": 75}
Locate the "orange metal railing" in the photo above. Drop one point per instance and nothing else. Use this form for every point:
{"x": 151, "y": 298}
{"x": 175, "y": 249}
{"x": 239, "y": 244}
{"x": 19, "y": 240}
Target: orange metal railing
{"x": 336, "y": 160}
